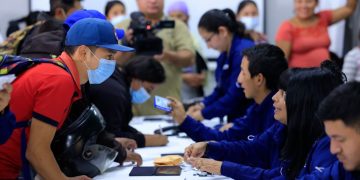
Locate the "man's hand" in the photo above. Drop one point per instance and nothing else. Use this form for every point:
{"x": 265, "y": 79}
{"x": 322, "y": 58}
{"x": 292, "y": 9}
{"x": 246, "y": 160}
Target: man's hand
{"x": 133, "y": 157}
{"x": 178, "y": 112}
{"x": 129, "y": 144}
{"x": 129, "y": 35}
{"x": 196, "y": 150}
{"x": 79, "y": 178}
{"x": 226, "y": 127}
{"x": 156, "y": 140}
{"x": 166, "y": 55}
{"x": 5, "y": 95}
{"x": 196, "y": 114}
{"x": 207, "y": 165}
{"x": 198, "y": 106}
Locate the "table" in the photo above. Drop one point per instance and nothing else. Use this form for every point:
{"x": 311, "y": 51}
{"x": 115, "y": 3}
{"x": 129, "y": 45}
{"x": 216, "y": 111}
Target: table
{"x": 175, "y": 145}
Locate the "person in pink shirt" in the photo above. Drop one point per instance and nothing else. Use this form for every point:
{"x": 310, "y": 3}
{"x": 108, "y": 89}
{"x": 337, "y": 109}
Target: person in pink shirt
{"x": 305, "y": 38}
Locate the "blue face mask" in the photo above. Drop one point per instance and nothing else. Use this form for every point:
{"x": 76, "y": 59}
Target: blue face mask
{"x": 139, "y": 96}
{"x": 105, "y": 69}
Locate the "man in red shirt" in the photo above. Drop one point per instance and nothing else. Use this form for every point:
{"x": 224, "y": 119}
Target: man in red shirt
{"x": 44, "y": 94}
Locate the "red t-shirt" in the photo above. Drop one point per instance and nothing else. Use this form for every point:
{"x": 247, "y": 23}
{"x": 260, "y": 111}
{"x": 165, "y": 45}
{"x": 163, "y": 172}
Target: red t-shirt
{"x": 309, "y": 45}
{"x": 44, "y": 92}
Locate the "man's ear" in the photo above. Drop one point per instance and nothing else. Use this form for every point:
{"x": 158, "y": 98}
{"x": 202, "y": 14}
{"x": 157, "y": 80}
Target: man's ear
{"x": 80, "y": 53}
{"x": 260, "y": 79}
{"x": 135, "y": 84}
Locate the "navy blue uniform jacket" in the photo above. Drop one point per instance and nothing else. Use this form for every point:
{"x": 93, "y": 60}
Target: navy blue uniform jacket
{"x": 228, "y": 97}
{"x": 260, "y": 158}
{"x": 259, "y": 117}
{"x": 335, "y": 171}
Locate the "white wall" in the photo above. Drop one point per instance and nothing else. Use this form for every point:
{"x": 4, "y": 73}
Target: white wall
{"x": 10, "y": 10}
{"x": 276, "y": 12}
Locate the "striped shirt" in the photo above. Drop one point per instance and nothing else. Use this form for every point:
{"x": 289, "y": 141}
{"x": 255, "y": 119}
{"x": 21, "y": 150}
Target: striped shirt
{"x": 351, "y": 66}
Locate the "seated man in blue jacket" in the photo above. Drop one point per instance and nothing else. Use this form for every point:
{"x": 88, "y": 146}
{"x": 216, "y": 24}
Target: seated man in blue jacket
{"x": 260, "y": 71}
{"x": 7, "y": 119}
{"x": 341, "y": 116}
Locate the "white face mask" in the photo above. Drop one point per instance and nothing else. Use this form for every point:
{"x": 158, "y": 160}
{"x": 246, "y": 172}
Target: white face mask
{"x": 117, "y": 19}
{"x": 250, "y": 22}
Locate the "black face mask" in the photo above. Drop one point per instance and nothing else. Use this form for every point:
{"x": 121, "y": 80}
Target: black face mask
{"x": 74, "y": 145}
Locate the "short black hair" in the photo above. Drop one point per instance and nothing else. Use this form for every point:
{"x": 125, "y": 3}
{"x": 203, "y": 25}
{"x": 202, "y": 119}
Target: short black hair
{"x": 145, "y": 68}
{"x": 342, "y": 104}
{"x": 70, "y": 50}
{"x": 110, "y": 4}
{"x": 244, "y": 3}
{"x": 267, "y": 59}
{"x": 64, "y": 4}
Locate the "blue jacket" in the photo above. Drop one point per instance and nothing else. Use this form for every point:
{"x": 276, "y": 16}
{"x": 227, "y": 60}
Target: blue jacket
{"x": 336, "y": 171}
{"x": 259, "y": 117}
{"x": 260, "y": 158}
{"x": 228, "y": 97}
{"x": 7, "y": 125}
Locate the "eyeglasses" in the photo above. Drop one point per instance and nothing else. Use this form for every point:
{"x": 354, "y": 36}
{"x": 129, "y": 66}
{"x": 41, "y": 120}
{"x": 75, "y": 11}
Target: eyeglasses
{"x": 209, "y": 38}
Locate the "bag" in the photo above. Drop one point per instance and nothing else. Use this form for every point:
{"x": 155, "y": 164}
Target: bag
{"x": 44, "y": 39}
{"x": 13, "y": 42}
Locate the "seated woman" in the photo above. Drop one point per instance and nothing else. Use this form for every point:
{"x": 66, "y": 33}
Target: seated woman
{"x": 222, "y": 32}
{"x": 131, "y": 84}
{"x": 305, "y": 38}
{"x": 294, "y": 146}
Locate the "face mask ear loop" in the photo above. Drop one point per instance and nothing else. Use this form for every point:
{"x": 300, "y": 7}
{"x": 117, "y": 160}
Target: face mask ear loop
{"x": 93, "y": 55}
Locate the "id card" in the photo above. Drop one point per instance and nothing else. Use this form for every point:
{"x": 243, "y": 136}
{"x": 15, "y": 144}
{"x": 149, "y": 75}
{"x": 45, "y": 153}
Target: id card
{"x": 162, "y": 103}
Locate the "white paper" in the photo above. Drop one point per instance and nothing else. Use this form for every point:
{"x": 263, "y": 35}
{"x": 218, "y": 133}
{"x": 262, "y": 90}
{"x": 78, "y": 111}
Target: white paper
{"x": 6, "y": 79}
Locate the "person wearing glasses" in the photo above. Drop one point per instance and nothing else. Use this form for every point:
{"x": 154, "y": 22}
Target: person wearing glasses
{"x": 222, "y": 32}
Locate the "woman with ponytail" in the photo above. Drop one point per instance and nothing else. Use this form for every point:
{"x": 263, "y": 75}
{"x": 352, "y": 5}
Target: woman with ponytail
{"x": 222, "y": 32}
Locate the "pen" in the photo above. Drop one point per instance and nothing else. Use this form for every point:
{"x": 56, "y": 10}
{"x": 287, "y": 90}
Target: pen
{"x": 160, "y": 129}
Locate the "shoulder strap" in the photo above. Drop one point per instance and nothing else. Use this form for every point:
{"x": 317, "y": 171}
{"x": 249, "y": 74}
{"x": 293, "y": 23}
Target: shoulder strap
{"x": 16, "y": 64}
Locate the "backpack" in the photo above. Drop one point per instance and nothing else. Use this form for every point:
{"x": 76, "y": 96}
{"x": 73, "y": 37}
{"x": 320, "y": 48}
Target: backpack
{"x": 17, "y": 65}
{"x": 43, "y": 39}
{"x": 14, "y": 41}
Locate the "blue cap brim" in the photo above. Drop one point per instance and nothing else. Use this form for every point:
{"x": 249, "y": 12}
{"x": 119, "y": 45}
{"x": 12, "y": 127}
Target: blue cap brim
{"x": 117, "y": 47}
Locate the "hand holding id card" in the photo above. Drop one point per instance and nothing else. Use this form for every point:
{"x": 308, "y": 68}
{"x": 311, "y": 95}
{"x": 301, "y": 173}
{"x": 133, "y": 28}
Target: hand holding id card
{"x": 162, "y": 103}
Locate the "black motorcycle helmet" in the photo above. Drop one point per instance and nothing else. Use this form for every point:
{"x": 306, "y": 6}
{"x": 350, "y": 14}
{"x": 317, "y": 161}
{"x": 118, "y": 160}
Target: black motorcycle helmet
{"x": 74, "y": 145}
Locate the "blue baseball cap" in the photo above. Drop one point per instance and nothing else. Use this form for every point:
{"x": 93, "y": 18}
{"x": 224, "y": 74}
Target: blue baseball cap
{"x": 82, "y": 14}
{"x": 94, "y": 32}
